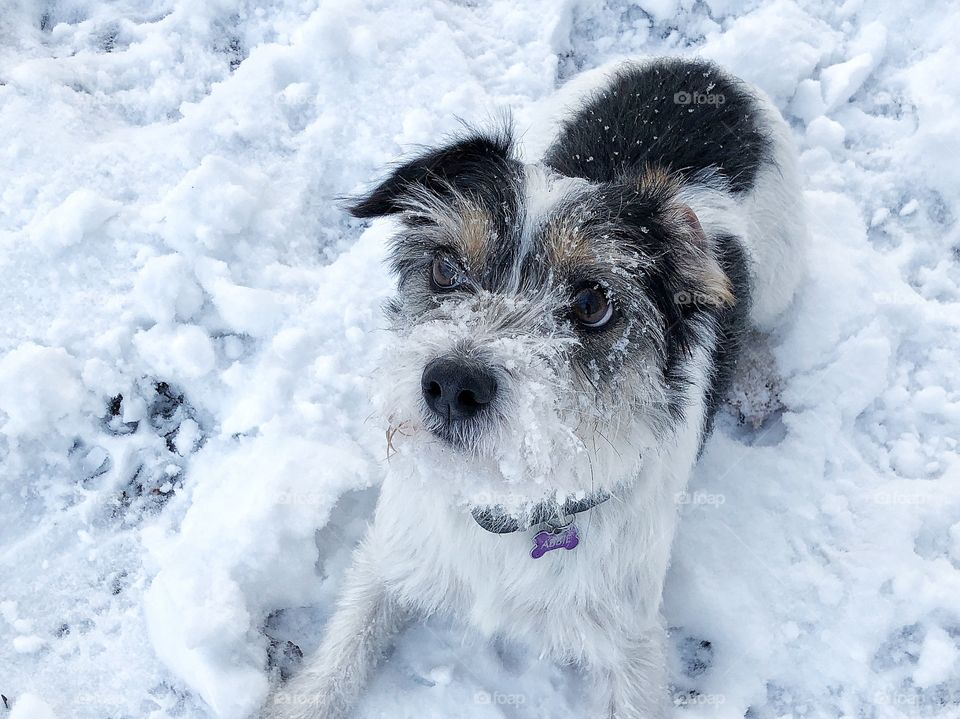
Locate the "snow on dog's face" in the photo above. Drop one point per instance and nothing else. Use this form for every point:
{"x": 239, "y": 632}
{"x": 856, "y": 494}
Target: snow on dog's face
{"x": 540, "y": 326}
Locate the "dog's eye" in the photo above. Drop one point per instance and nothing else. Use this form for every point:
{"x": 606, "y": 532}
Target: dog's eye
{"x": 445, "y": 273}
{"x": 592, "y": 308}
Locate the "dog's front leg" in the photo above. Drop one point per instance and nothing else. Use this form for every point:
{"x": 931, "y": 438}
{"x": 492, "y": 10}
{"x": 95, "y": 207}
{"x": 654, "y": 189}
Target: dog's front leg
{"x": 636, "y": 684}
{"x": 365, "y": 620}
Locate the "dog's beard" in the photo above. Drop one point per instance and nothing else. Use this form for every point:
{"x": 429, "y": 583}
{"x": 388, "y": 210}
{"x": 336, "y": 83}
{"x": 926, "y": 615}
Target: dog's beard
{"x": 544, "y": 437}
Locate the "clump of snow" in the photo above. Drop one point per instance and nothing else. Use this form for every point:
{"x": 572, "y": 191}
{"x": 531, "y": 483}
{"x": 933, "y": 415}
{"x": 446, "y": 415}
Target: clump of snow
{"x": 191, "y": 329}
{"x": 30, "y": 706}
{"x": 842, "y": 80}
{"x": 776, "y": 46}
{"x": 165, "y": 290}
{"x": 178, "y": 351}
{"x": 74, "y": 219}
{"x": 826, "y": 133}
{"x": 211, "y": 205}
{"x": 40, "y": 390}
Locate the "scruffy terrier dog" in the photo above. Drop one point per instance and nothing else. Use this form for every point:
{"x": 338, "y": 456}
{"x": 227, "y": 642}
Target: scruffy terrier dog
{"x": 562, "y": 335}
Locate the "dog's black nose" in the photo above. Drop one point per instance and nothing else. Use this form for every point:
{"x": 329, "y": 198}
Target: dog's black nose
{"x": 457, "y": 390}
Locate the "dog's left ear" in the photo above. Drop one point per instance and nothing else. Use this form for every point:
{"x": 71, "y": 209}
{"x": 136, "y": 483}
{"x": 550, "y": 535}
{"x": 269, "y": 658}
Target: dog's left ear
{"x": 474, "y": 165}
{"x": 697, "y": 262}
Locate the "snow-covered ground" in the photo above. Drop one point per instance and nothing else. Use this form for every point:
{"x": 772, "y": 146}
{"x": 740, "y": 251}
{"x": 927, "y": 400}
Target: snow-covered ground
{"x": 189, "y": 324}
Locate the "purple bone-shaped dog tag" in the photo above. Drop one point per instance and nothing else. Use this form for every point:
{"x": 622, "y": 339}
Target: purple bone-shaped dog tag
{"x": 547, "y": 541}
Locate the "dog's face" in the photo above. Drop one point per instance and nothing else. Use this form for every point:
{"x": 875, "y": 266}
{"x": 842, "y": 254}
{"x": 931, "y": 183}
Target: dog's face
{"x": 541, "y": 323}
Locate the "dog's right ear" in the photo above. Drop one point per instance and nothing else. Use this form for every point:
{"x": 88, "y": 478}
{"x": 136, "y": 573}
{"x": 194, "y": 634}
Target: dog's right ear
{"x": 470, "y": 165}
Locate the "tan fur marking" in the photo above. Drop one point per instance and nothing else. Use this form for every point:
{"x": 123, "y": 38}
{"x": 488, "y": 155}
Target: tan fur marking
{"x": 565, "y": 246}
{"x": 475, "y": 234}
{"x": 703, "y": 267}
{"x": 460, "y": 222}
{"x": 655, "y": 177}
{"x": 717, "y": 284}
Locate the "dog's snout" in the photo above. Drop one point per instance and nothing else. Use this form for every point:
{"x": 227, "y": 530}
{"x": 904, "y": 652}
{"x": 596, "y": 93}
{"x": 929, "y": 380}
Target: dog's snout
{"x": 457, "y": 390}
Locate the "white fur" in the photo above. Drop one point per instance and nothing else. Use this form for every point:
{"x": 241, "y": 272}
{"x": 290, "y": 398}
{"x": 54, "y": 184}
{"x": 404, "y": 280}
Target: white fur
{"x": 597, "y": 606}
{"x": 776, "y": 237}
{"x": 542, "y": 189}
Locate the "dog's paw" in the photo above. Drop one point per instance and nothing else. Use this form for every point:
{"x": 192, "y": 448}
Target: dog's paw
{"x": 754, "y": 391}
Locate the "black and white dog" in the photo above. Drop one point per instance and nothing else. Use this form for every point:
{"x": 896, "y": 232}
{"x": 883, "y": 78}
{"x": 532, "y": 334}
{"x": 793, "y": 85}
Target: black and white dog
{"x": 562, "y": 335}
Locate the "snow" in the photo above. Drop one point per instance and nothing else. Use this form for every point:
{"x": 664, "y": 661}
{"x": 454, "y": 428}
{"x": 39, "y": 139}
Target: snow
{"x": 191, "y": 328}
{"x": 40, "y": 387}
{"x": 826, "y": 133}
{"x": 842, "y": 80}
{"x": 31, "y": 707}
{"x": 184, "y": 350}
{"x": 82, "y": 212}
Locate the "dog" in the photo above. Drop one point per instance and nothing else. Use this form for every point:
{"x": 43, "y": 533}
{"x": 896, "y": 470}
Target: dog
{"x": 561, "y": 337}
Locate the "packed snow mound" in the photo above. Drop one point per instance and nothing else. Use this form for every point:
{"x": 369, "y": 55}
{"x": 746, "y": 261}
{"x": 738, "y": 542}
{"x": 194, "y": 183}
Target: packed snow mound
{"x": 190, "y": 325}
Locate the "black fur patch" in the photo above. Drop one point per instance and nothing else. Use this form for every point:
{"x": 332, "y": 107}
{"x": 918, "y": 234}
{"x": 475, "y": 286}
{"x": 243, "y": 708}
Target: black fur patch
{"x": 680, "y": 115}
{"x": 480, "y": 167}
{"x": 475, "y": 166}
{"x": 732, "y": 324}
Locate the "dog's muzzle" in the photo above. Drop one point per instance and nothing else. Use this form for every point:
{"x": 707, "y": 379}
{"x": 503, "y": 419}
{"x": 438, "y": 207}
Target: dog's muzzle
{"x": 457, "y": 390}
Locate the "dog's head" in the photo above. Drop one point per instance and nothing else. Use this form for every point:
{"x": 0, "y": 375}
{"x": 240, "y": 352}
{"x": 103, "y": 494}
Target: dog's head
{"x": 543, "y": 323}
